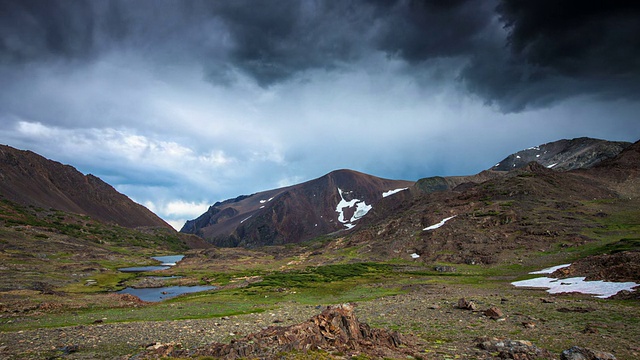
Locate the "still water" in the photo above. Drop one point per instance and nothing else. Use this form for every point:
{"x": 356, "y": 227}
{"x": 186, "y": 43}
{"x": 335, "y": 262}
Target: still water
{"x": 162, "y": 293}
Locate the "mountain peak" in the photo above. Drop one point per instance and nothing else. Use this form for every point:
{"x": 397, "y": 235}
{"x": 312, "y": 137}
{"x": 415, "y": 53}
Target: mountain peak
{"x": 578, "y": 153}
{"x": 330, "y": 203}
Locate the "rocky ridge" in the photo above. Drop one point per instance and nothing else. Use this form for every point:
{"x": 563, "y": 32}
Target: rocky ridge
{"x": 529, "y": 208}
{"x": 29, "y": 179}
{"x": 579, "y": 153}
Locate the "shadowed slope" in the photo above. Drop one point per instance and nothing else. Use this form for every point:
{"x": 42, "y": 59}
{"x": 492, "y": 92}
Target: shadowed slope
{"x": 29, "y": 179}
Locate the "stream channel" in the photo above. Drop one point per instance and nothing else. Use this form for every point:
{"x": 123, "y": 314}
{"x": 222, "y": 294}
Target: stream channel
{"x": 161, "y": 293}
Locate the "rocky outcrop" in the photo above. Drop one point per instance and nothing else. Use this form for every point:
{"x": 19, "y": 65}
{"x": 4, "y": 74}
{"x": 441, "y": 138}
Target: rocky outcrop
{"x": 29, "y": 179}
{"x": 526, "y": 350}
{"x": 621, "y": 266}
{"x": 621, "y": 172}
{"x": 336, "y": 329}
{"x": 580, "y": 353}
{"x": 579, "y": 153}
{"x": 494, "y": 313}
{"x": 513, "y": 349}
{"x": 467, "y": 304}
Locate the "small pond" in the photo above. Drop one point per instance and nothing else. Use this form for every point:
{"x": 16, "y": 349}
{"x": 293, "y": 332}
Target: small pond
{"x": 162, "y": 293}
{"x": 165, "y": 292}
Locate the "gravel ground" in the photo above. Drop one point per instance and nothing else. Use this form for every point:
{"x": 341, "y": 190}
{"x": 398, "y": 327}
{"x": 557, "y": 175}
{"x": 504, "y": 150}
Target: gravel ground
{"x": 430, "y": 313}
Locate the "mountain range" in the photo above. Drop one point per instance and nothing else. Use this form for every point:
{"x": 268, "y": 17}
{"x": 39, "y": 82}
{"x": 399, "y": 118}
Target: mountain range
{"x": 336, "y": 202}
{"x": 499, "y": 210}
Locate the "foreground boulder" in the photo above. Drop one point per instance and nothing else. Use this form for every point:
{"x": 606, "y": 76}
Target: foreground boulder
{"x": 335, "y": 330}
{"x": 467, "y": 304}
{"x": 580, "y": 353}
{"x": 513, "y": 349}
{"x": 494, "y": 313}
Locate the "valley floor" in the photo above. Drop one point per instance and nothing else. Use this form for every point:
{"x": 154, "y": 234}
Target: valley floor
{"x": 428, "y": 311}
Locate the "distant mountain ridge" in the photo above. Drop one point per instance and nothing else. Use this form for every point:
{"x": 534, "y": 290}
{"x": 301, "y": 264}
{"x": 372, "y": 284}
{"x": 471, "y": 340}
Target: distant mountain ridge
{"x": 578, "y": 153}
{"x": 32, "y": 180}
{"x": 501, "y": 215}
{"x": 338, "y": 200}
{"x": 292, "y": 214}
{"x": 562, "y": 155}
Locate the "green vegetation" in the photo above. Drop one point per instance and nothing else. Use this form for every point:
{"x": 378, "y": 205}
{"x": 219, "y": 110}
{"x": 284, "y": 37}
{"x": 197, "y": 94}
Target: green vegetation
{"x": 82, "y": 227}
{"x": 321, "y": 274}
{"x": 329, "y": 284}
{"x": 625, "y": 244}
{"x": 319, "y": 285}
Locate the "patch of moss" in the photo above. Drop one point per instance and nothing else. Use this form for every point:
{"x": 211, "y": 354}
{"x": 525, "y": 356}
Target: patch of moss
{"x": 320, "y": 274}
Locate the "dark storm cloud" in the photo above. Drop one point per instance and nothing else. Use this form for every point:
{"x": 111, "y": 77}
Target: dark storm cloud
{"x": 576, "y": 38}
{"x": 515, "y": 54}
{"x": 271, "y": 41}
{"x": 34, "y": 29}
{"x": 421, "y": 30}
{"x": 275, "y": 40}
{"x": 559, "y": 49}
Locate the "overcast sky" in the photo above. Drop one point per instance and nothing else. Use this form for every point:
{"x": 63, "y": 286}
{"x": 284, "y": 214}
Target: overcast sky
{"x": 179, "y": 104}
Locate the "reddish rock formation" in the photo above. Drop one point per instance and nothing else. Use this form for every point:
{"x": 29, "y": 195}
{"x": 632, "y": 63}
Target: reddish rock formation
{"x": 336, "y": 329}
{"x": 494, "y": 313}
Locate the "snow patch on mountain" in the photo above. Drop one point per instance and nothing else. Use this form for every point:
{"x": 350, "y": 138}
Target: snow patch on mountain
{"x": 598, "y": 288}
{"x": 391, "y": 192}
{"x": 361, "y": 209}
{"x": 435, "y": 226}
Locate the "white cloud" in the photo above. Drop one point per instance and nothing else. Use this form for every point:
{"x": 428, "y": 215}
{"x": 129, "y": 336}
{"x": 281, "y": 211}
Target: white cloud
{"x": 165, "y": 135}
{"x": 35, "y": 130}
{"x": 178, "y": 208}
{"x": 177, "y": 212}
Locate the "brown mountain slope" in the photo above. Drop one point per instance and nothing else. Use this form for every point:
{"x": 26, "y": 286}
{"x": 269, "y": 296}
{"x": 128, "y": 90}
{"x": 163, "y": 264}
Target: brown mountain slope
{"x": 29, "y": 179}
{"x": 621, "y": 173}
{"x": 563, "y": 155}
{"x": 293, "y": 214}
{"x": 530, "y": 209}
